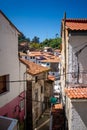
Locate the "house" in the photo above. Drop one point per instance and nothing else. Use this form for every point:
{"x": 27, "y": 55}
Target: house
{"x": 48, "y": 49}
{"x": 48, "y": 90}
{"x": 44, "y": 59}
{"x": 57, "y": 52}
{"x": 54, "y": 63}
{"x": 73, "y": 72}
{"x": 76, "y": 104}
{"x": 35, "y": 94}
{"x": 57, "y": 117}
{"x": 23, "y": 46}
{"x": 12, "y": 72}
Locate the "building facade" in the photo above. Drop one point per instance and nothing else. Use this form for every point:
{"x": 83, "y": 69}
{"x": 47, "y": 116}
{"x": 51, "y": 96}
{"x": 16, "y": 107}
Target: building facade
{"x": 73, "y": 71}
{"x": 12, "y": 92}
{"x": 35, "y": 94}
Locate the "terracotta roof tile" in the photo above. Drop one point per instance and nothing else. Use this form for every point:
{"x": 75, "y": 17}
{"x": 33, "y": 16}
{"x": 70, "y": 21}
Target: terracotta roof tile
{"x": 33, "y": 68}
{"x": 58, "y": 106}
{"x": 57, "y": 50}
{"x": 76, "y": 93}
{"x": 46, "y": 57}
{"x": 22, "y": 54}
{"x": 52, "y": 59}
{"x": 34, "y": 53}
{"x": 51, "y": 77}
{"x": 57, "y": 117}
{"x": 76, "y": 24}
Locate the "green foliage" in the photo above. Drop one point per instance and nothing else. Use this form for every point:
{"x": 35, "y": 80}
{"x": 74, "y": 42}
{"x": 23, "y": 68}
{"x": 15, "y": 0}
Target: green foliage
{"x": 22, "y": 38}
{"x": 35, "y": 45}
{"x": 54, "y": 43}
{"x": 35, "y": 39}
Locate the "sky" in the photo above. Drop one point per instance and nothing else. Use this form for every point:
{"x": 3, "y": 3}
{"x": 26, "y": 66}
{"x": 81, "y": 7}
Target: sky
{"x": 42, "y": 18}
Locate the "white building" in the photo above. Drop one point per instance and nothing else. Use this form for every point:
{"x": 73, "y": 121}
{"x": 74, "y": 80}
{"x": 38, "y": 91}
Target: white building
{"x": 12, "y": 92}
{"x": 73, "y": 72}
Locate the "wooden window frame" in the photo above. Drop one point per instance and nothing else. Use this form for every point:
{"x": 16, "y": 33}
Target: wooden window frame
{"x": 4, "y": 84}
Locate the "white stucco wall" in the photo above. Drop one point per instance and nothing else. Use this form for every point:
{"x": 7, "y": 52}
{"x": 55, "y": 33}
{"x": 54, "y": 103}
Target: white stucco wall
{"x": 75, "y": 44}
{"x": 9, "y": 62}
{"x": 76, "y": 114}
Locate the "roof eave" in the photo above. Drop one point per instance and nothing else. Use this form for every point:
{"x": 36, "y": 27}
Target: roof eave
{"x": 19, "y": 33}
{"x": 34, "y": 74}
{"x": 79, "y": 100}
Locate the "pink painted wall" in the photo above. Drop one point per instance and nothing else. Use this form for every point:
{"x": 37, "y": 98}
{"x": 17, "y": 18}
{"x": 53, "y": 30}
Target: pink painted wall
{"x": 12, "y": 109}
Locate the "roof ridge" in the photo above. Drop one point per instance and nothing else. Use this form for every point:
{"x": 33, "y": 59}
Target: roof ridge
{"x": 82, "y": 20}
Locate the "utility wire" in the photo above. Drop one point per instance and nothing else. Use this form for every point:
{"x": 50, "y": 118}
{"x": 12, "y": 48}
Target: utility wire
{"x": 31, "y": 100}
{"x": 13, "y": 81}
{"x": 80, "y": 45}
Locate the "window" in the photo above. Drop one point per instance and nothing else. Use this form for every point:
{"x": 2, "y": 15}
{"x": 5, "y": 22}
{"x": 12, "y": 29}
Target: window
{"x": 53, "y": 73}
{"x": 36, "y": 78}
{"x": 33, "y": 57}
{"x": 36, "y": 95}
{"x": 41, "y": 89}
{"x": 22, "y": 105}
{"x": 26, "y": 57}
{"x": 4, "y": 84}
{"x": 47, "y": 64}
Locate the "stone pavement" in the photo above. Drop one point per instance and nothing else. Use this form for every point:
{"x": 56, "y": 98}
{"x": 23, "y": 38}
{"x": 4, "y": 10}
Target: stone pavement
{"x": 45, "y": 118}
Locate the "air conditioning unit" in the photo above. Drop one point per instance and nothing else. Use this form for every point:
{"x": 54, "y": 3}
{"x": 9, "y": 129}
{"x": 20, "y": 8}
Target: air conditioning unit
{"x": 8, "y": 123}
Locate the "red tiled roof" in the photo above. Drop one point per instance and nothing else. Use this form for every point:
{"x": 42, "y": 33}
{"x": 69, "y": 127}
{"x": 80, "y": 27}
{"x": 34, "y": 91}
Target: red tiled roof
{"x": 35, "y": 53}
{"x": 57, "y": 50}
{"x": 52, "y": 59}
{"x": 58, "y": 117}
{"x": 76, "y": 24}
{"x": 22, "y": 54}
{"x": 76, "y": 93}
{"x": 58, "y": 106}
{"x": 33, "y": 68}
{"x": 51, "y": 77}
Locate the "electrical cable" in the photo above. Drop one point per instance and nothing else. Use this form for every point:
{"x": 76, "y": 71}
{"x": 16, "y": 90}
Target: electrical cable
{"x": 13, "y": 81}
{"x": 80, "y": 45}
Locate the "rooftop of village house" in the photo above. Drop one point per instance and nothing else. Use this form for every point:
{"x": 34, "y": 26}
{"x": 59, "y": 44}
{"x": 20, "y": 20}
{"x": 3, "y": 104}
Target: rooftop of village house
{"x": 58, "y": 116}
{"x": 76, "y": 93}
{"x": 76, "y": 24}
{"x": 33, "y": 68}
{"x": 51, "y": 77}
{"x": 44, "y": 56}
{"x": 57, "y": 50}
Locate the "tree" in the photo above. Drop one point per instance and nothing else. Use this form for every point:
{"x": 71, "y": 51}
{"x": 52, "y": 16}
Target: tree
{"x": 35, "y": 39}
{"x": 54, "y": 43}
{"x": 56, "y": 35}
{"x": 35, "y": 46}
{"x": 22, "y": 38}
